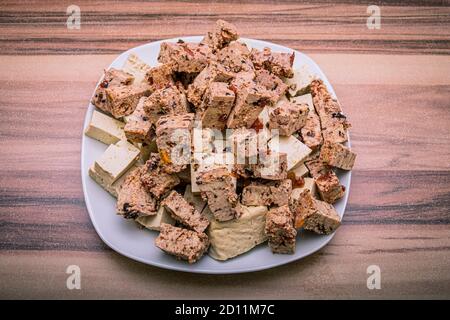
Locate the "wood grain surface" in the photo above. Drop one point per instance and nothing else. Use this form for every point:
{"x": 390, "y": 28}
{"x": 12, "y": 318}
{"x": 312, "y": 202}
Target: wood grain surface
{"x": 394, "y": 83}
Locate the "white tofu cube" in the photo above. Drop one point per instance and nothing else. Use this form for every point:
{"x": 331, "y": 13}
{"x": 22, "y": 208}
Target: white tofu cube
{"x": 105, "y": 128}
{"x": 295, "y": 150}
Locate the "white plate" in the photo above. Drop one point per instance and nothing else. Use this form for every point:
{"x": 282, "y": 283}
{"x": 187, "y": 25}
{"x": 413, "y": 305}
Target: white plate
{"x": 124, "y": 237}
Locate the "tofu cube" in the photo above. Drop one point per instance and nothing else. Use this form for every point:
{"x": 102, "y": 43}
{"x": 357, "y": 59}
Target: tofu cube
{"x": 218, "y": 188}
{"x": 182, "y": 243}
{"x": 299, "y": 83}
{"x": 117, "y": 159}
{"x": 309, "y": 184}
{"x": 173, "y": 137}
{"x": 304, "y": 99}
{"x": 183, "y": 212}
{"x": 138, "y": 128}
{"x": 220, "y": 35}
{"x": 105, "y": 129}
{"x": 133, "y": 200}
{"x": 235, "y": 57}
{"x": 155, "y": 222}
{"x": 185, "y": 56}
{"x": 194, "y": 200}
{"x": 280, "y": 230}
{"x": 155, "y": 180}
{"x": 288, "y": 117}
{"x": 136, "y": 67}
{"x": 217, "y": 103}
{"x": 111, "y": 188}
{"x": 296, "y": 150}
{"x": 160, "y": 76}
{"x": 329, "y": 187}
{"x": 272, "y": 83}
{"x": 311, "y": 132}
{"x": 267, "y": 193}
{"x": 324, "y": 220}
{"x": 337, "y": 155}
{"x": 271, "y": 166}
{"x": 278, "y": 63}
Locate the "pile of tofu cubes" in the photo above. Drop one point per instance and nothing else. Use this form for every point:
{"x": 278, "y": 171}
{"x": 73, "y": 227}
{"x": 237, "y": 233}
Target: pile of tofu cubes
{"x": 219, "y": 147}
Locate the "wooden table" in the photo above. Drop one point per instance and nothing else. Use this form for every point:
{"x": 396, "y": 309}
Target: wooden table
{"x": 394, "y": 83}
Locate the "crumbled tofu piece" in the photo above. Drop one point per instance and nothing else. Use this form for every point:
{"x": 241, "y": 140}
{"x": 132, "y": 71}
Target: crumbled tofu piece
{"x": 112, "y": 78}
{"x": 267, "y": 193}
{"x": 280, "y": 230}
{"x": 160, "y": 76}
{"x": 182, "y": 243}
{"x": 232, "y": 238}
{"x": 138, "y": 128}
{"x": 250, "y": 101}
{"x": 117, "y": 159}
{"x": 278, "y": 63}
{"x": 155, "y": 180}
{"x": 136, "y": 67}
{"x": 333, "y": 122}
{"x": 314, "y": 215}
{"x": 185, "y": 56}
{"x": 272, "y": 83}
{"x": 133, "y": 200}
{"x": 217, "y": 104}
{"x": 288, "y": 117}
{"x": 155, "y": 222}
{"x": 212, "y": 73}
{"x": 296, "y": 150}
{"x": 173, "y": 137}
{"x": 221, "y": 35}
{"x": 218, "y": 188}
{"x": 169, "y": 100}
{"x": 184, "y": 213}
{"x": 337, "y": 155}
{"x": 105, "y": 129}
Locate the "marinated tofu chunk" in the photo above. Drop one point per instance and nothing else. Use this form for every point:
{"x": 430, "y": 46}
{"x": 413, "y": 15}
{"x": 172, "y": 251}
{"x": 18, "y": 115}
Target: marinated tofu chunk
{"x": 214, "y": 72}
{"x": 183, "y": 212}
{"x": 185, "y": 56}
{"x": 133, "y": 200}
{"x": 122, "y": 100}
{"x": 235, "y": 57}
{"x": 182, "y": 243}
{"x": 112, "y": 78}
{"x": 221, "y": 35}
{"x": 267, "y": 193}
{"x": 333, "y": 122}
{"x": 139, "y": 128}
{"x": 160, "y": 76}
{"x": 219, "y": 190}
{"x": 288, "y": 117}
{"x": 311, "y": 132}
{"x": 314, "y": 215}
{"x": 169, "y": 100}
{"x": 272, "y": 83}
{"x": 329, "y": 187}
{"x": 280, "y": 64}
{"x": 250, "y": 101}
{"x": 217, "y": 104}
{"x": 155, "y": 180}
{"x": 280, "y": 230}
{"x": 337, "y": 155}
{"x": 173, "y": 137}
{"x": 271, "y": 166}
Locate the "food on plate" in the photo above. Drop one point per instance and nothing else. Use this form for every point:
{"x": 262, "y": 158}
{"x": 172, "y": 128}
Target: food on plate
{"x": 220, "y": 147}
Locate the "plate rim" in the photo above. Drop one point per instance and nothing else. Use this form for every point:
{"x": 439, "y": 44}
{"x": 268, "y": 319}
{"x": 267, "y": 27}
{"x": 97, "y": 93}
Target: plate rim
{"x": 185, "y": 268}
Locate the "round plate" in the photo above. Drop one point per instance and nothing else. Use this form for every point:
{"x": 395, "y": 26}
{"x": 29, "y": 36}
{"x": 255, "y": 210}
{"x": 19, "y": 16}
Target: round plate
{"x": 127, "y": 239}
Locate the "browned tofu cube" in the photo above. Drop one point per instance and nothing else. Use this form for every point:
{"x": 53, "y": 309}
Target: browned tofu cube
{"x": 214, "y": 72}
{"x": 133, "y": 200}
{"x": 218, "y": 188}
{"x": 287, "y": 117}
{"x": 235, "y": 57}
{"x": 250, "y": 101}
{"x": 280, "y": 230}
{"x": 337, "y": 155}
{"x": 333, "y": 122}
{"x": 184, "y": 244}
{"x": 312, "y": 132}
{"x": 272, "y": 83}
{"x": 280, "y": 64}
{"x": 329, "y": 187}
{"x": 314, "y": 215}
{"x": 270, "y": 166}
{"x": 112, "y": 78}
{"x": 138, "y": 127}
{"x": 160, "y": 76}
{"x": 267, "y": 193}
{"x": 183, "y": 212}
{"x": 217, "y": 105}
{"x": 169, "y": 100}
{"x": 155, "y": 180}
{"x": 184, "y": 56}
{"x": 122, "y": 100}
{"x": 220, "y": 35}
{"x": 173, "y": 138}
